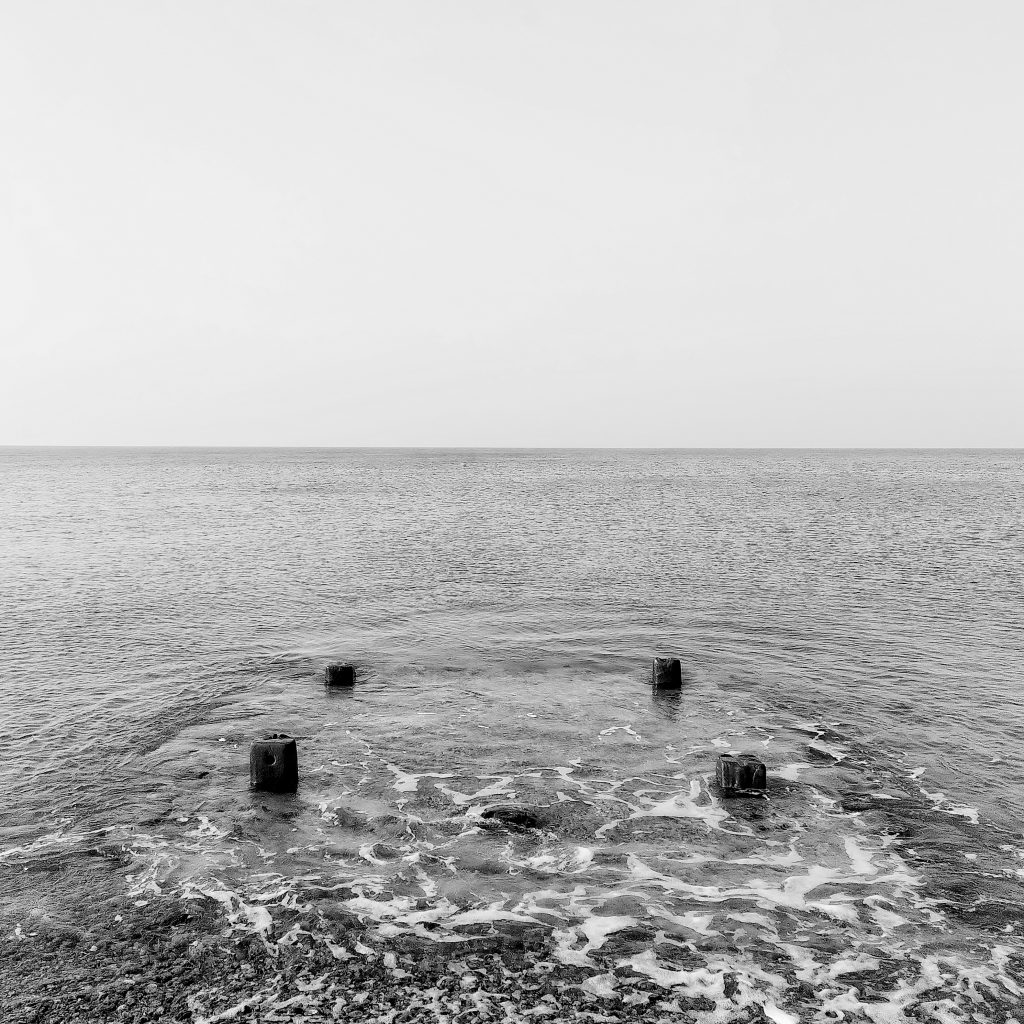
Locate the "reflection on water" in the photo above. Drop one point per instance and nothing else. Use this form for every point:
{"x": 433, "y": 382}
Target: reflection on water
{"x": 503, "y": 766}
{"x": 666, "y": 703}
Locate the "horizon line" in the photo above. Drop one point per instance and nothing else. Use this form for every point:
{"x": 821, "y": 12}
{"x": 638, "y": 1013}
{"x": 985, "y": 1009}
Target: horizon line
{"x": 505, "y": 448}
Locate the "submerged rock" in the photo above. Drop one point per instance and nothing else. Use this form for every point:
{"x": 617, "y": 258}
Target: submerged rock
{"x": 516, "y": 816}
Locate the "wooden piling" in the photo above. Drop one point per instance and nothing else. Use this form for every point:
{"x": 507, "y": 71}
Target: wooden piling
{"x": 667, "y": 674}
{"x": 741, "y": 774}
{"x": 340, "y": 675}
{"x": 274, "y": 764}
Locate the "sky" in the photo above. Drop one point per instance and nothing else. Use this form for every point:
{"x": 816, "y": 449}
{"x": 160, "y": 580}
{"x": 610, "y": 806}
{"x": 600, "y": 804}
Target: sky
{"x": 559, "y": 223}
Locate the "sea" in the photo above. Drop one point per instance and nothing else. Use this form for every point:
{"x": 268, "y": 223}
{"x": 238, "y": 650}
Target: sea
{"x": 855, "y": 619}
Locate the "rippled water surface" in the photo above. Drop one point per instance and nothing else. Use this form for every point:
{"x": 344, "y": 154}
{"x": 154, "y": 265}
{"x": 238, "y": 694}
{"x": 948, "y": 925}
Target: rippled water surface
{"x": 855, "y": 618}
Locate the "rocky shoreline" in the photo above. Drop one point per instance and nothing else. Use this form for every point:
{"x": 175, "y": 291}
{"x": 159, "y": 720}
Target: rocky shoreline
{"x": 743, "y": 943}
{"x": 181, "y": 961}
{"x": 179, "y": 965}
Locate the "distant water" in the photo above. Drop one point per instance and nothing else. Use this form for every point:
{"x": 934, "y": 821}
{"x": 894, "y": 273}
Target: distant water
{"x": 855, "y": 617}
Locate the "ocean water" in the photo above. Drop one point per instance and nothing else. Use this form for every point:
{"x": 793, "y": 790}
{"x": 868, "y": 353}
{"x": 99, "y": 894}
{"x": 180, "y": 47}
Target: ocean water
{"x": 856, "y": 618}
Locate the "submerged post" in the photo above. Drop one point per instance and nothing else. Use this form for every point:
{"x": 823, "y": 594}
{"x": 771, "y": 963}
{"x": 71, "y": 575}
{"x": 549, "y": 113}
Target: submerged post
{"x": 739, "y": 774}
{"x": 667, "y": 674}
{"x": 274, "y": 765}
{"x": 340, "y": 675}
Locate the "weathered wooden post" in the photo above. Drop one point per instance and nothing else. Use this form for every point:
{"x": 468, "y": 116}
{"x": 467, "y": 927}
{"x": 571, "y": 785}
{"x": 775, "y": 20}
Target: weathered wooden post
{"x": 274, "y": 764}
{"x": 739, "y": 774}
{"x": 340, "y": 675}
{"x": 667, "y": 674}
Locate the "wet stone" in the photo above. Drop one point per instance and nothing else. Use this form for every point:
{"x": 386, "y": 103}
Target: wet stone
{"x": 625, "y": 906}
{"x": 659, "y": 830}
{"x": 857, "y": 802}
{"x": 387, "y": 826}
{"x": 515, "y": 816}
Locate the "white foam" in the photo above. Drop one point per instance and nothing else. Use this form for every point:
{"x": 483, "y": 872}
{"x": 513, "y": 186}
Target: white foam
{"x": 861, "y": 962}
{"x": 887, "y": 920}
{"x": 946, "y": 806}
{"x": 575, "y": 861}
{"x": 808, "y": 968}
{"x": 366, "y": 852}
{"x": 622, "y": 728}
{"x": 602, "y": 985}
{"x": 686, "y": 805}
{"x": 498, "y": 788}
{"x": 44, "y": 843}
{"x": 792, "y": 893}
{"x": 399, "y": 910}
{"x": 408, "y": 782}
{"x": 258, "y": 919}
{"x": 889, "y": 1010}
{"x": 232, "y": 1012}
{"x": 699, "y": 923}
{"x": 861, "y": 859}
{"x": 597, "y": 928}
{"x": 701, "y": 982}
{"x": 772, "y": 1012}
{"x": 970, "y": 813}
{"x": 207, "y": 829}
{"x": 791, "y": 856}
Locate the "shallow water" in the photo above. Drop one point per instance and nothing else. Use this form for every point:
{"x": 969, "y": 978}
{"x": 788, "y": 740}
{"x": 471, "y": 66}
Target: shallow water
{"x": 856, "y": 618}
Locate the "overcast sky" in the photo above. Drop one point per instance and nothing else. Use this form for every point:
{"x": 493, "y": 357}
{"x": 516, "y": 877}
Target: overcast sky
{"x": 497, "y": 223}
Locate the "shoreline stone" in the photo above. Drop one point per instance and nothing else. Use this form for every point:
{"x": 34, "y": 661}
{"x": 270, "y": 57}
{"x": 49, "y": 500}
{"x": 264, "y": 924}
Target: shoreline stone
{"x": 174, "y": 961}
